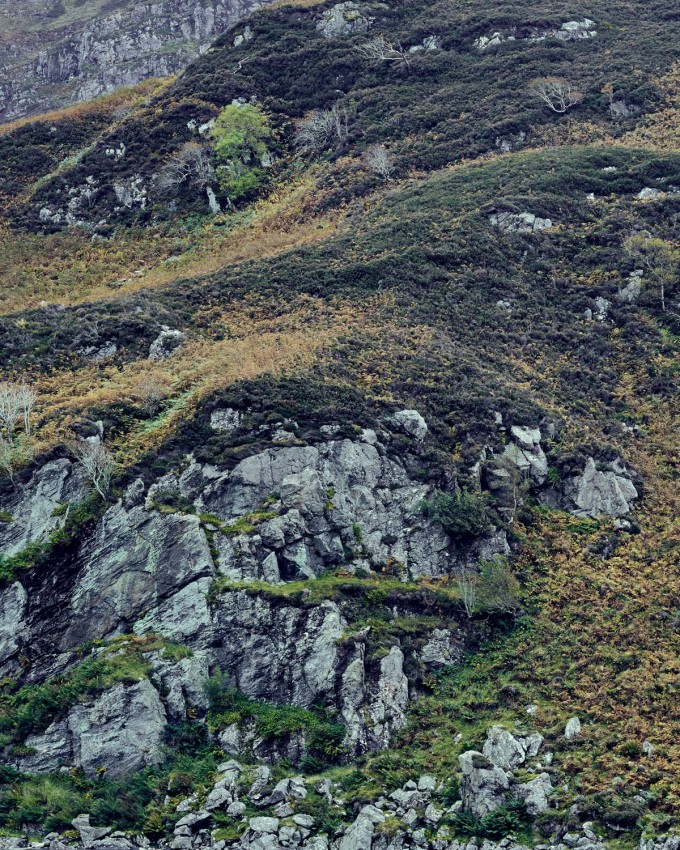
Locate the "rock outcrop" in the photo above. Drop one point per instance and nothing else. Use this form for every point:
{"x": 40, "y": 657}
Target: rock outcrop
{"x": 40, "y": 506}
{"x": 54, "y": 64}
{"x": 120, "y": 733}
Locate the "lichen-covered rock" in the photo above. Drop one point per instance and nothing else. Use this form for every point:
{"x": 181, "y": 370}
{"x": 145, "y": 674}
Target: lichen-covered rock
{"x": 166, "y": 344}
{"x": 525, "y": 453}
{"x": 104, "y": 48}
{"x": 121, "y": 732}
{"x": 344, "y": 19}
{"x": 40, "y": 506}
{"x": 337, "y": 498}
{"x": 608, "y": 492}
{"x": 503, "y": 749}
{"x": 524, "y": 222}
{"x": 535, "y": 794}
{"x": 137, "y": 563}
{"x": 484, "y": 785}
{"x": 13, "y": 601}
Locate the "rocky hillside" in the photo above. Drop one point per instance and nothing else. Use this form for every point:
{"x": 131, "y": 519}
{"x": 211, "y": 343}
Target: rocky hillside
{"x": 56, "y": 53}
{"x": 338, "y": 437}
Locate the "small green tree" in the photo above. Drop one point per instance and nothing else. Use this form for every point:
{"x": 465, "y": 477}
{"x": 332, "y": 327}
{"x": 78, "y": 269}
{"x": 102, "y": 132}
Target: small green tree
{"x": 241, "y": 135}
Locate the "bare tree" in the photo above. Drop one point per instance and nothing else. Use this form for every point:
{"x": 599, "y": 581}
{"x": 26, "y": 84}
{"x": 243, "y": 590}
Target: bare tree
{"x": 10, "y": 409}
{"x": 151, "y": 394}
{"x": 319, "y": 128}
{"x": 190, "y": 165}
{"x": 27, "y": 400}
{"x": 557, "y": 93}
{"x": 378, "y": 160}
{"x": 97, "y": 461}
{"x": 379, "y": 49}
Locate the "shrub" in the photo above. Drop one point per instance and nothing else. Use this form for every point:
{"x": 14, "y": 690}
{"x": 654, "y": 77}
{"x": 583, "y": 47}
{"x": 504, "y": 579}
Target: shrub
{"x": 462, "y": 515}
{"x": 498, "y": 588}
{"x": 241, "y": 135}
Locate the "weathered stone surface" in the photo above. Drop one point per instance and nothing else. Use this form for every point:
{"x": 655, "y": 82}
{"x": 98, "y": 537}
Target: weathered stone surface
{"x": 484, "y": 785}
{"x": 503, "y": 749}
{"x": 344, "y": 19}
{"x": 136, "y": 563}
{"x": 168, "y": 340}
{"x": 596, "y": 493}
{"x": 88, "y": 834}
{"x": 443, "y": 648}
{"x": 121, "y": 732}
{"x": 281, "y": 653}
{"x": 33, "y": 507}
{"x": 525, "y": 453}
{"x": 411, "y": 423}
{"x": 573, "y": 728}
{"x": 535, "y": 793}
{"x": 337, "y": 497}
{"x": 12, "y": 612}
{"x": 524, "y": 222}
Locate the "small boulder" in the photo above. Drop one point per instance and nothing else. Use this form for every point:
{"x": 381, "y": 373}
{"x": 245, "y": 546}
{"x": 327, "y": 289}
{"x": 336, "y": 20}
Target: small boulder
{"x": 166, "y": 344}
{"x": 89, "y": 834}
{"x": 411, "y": 423}
{"x": 573, "y": 729}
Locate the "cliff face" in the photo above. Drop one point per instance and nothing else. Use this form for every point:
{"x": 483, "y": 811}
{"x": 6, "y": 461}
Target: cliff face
{"x": 58, "y": 55}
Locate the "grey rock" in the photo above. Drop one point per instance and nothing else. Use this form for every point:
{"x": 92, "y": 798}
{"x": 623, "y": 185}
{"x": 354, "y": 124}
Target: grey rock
{"x": 524, "y": 222}
{"x": 433, "y": 814}
{"x": 484, "y": 785}
{"x": 13, "y": 606}
{"x": 410, "y": 422}
{"x": 602, "y": 307}
{"x": 264, "y": 824}
{"x": 327, "y": 492}
{"x": 34, "y": 508}
{"x": 121, "y": 732}
{"x": 225, "y": 419}
{"x": 631, "y": 291}
{"x": 63, "y": 60}
{"x": 502, "y": 749}
{"x": 525, "y": 454}
{"x": 88, "y": 834}
{"x": 648, "y": 193}
{"x": 427, "y": 783}
{"x": 596, "y": 493}
{"x": 150, "y": 564}
{"x": 166, "y": 344}
{"x": 573, "y": 729}
{"x": 535, "y": 794}
{"x": 344, "y": 19}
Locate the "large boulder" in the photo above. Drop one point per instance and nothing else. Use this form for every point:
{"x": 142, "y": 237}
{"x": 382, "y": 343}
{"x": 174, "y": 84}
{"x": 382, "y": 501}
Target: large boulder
{"x": 503, "y": 749}
{"x": 484, "y": 785}
{"x": 344, "y": 19}
{"x": 535, "y": 794}
{"x": 606, "y": 492}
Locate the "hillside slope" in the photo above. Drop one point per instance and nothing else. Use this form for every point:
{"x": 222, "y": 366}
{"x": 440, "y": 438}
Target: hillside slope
{"x": 343, "y": 511}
